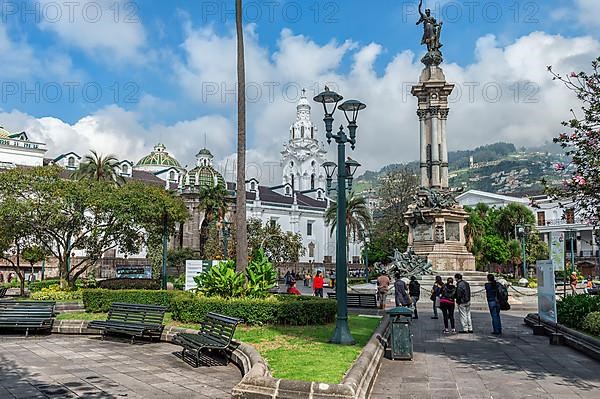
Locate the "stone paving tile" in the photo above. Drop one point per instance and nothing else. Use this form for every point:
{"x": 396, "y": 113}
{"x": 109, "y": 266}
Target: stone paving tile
{"x": 516, "y": 365}
{"x": 59, "y": 367}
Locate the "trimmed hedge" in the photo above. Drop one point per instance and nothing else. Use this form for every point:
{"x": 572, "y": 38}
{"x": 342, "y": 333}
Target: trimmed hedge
{"x": 591, "y": 323}
{"x": 129, "y": 284}
{"x": 39, "y": 284}
{"x": 573, "y": 309}
{"x": 279, "y": 309}
{"x": 99, "y": 300}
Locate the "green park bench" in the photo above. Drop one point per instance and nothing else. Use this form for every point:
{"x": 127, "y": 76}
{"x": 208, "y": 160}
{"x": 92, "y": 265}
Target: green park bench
{"x": 132, "y": 319}
{"x": 28, "y": 315}
{"x": 358, "y": 300}
{"x": 216, "y": 333}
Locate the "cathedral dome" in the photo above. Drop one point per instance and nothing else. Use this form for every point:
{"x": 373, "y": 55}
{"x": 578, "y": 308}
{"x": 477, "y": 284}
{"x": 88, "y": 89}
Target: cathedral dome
{"x": 159, "y": 157}
{"x": 203, "y": 175}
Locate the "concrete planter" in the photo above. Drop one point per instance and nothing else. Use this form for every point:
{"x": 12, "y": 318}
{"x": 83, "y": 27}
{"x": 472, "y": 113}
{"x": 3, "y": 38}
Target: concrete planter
{"x": 558, "y": 334}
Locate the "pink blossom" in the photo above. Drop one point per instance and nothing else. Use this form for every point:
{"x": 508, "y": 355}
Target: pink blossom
{"x": 573, "y": 74}
{"x": 563, "y": 136}
{"x": 559, "y": 166}
{"x": 573, "y": 136}
{"x": 579, "y": 180}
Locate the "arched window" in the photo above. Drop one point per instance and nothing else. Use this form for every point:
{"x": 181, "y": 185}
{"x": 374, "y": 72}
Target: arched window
{"x": 311, "y": 250}
{"x": 312, "y": 181}
{"x": 287, "y": 190}
{"x": 252, "y": 186}
{"x": 319, "y": 195}
{"x": 312, "y": 132}
{"x": 125, "y": 169}
{"x": 71, "y": 162}
{"x": 293, "y": 182}
{"x": 313, "y": 163}
{"x": 302, "y": 131}
{"x": 172, "y": 175}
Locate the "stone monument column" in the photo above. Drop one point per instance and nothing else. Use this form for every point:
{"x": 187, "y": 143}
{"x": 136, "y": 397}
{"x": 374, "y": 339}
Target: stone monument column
{"x": 435, "y": 221}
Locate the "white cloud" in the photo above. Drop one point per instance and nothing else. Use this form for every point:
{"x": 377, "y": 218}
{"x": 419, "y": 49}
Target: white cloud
{"x": 528, "y": 112}
{"x": 589, "y": 12}
{"x": 113, "y": 130}
{"x": 109, "y": 29}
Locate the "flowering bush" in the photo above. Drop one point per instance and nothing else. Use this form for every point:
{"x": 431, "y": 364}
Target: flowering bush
{"x": 55, "y": 293}
{"x": 582, "y": 144}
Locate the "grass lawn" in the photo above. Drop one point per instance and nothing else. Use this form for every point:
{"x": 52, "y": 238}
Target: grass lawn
{"x": 303, "y": 353}
{"x": 293, "y": 352}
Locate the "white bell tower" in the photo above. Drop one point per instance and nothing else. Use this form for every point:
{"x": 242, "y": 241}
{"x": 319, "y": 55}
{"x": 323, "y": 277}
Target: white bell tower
{"x": 304, "y": 154}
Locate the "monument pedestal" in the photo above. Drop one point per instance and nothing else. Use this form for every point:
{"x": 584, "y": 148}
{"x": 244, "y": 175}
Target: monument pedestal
{"x": 438, "y": 235}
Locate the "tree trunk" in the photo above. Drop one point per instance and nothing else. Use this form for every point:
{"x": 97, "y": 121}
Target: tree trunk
{"x": 240, "y": 212}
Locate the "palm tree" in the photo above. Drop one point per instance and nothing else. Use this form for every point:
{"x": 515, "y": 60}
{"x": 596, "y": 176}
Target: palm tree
{"x": 240, "y": 212}
{"x": 358, "y": 216}
{"x": 212, "y": 202}
{"x": 99, "y": 168}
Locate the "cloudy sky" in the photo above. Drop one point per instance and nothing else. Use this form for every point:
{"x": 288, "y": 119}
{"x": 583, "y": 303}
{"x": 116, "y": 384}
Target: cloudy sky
{"x": 119, "y": 76}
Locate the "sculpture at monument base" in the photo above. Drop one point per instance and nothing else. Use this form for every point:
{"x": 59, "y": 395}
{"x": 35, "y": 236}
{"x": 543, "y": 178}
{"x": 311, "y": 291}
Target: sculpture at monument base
{"x": 406, "y": 265}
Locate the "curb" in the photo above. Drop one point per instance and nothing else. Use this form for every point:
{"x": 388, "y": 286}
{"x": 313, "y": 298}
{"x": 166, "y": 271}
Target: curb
{"x": 585, "y": 344}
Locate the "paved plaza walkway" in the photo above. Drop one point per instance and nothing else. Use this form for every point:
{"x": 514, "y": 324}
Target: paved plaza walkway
{"x": 60, "y": 366}
{"x": 516, "y": 365}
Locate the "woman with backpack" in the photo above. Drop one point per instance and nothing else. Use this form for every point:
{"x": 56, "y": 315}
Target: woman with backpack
{"x": 491, "y": 293}
{"x": 436, "y": 291}
{"x": 447, "y": 304}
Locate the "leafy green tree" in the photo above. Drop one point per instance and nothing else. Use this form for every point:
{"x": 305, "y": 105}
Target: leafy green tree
{"x": 279, "y": 246}
{"x": 99, "y": 168}
{"x": 91, "y": 216}
{"x": 13, "y": 237}
{"x": 495, "y": 250}
{"x": 33, "y": 254}
{"x": 176, "y": 258}
{"x": 510, "y": 216}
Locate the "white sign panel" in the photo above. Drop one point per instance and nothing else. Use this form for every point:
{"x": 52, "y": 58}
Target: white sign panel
{"x": 557, "y": 250}
{"x": 194, "y": 268}
{"x": 546, "y": 290}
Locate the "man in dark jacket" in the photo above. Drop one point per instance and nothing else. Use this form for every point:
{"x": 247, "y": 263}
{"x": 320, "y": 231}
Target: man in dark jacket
{"x": 414, "y": 290}
{"x": 463, "y": 300}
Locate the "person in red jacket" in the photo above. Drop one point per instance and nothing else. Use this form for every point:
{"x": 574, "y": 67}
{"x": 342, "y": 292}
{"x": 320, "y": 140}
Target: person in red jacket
{"x": 318, "y": 284}
{"x": 292, "y": 288}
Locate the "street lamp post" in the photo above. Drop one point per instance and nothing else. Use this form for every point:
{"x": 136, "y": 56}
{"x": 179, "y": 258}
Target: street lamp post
{"x": 367, "y": 239}
{"x": 165, "y": 243}
{"x": 572, "y": 237}
{"x": 524, "y": 230}
{"x": 345, "y": 171}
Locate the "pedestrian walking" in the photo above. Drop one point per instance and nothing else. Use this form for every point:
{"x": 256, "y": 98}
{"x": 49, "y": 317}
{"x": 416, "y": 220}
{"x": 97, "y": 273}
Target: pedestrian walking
{"x": 401, "y": 293}
{"x": 414, "y": 290}
{"x": 332, "y": 279}
{"x": 383, "y": 286}
{"x": 463, "y": 302}
{"x": 573, "y": 283}
{"x": 491, "y": 294}
{"x": 447, "y": 304}
{"x": 307, "y": 278}
{"x": 292, "y": 290}
{"x": 436, "y": 291}
{"x": 318, "y": 284}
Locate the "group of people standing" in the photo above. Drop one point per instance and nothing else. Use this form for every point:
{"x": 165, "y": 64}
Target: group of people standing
{"x": 454, "y": 294}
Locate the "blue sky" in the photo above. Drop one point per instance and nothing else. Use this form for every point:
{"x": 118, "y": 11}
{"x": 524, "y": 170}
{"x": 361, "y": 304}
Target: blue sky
{"x": 154, "y": 62}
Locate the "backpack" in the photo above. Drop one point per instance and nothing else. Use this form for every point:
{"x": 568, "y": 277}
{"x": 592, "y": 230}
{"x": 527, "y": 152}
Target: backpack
{"x": 502, "y": 296}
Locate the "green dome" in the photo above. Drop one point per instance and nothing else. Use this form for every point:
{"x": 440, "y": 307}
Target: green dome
{"x": 204, "y": 177}
{"x": 159, "y": 157}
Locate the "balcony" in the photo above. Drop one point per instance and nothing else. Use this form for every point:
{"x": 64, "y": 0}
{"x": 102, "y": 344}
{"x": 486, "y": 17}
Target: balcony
{"x": 585, "y": 256}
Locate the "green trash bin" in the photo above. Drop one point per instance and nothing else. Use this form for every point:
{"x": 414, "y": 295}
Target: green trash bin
{"x": 400, "y": 334}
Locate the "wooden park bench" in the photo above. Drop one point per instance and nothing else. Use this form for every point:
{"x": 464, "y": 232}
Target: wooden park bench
{"x": 132, "y": 319}
{"x": 28, "y": 315}
{"x": 216, "y": 332}
{"x": 3, "y": 291}
{"x": 358, "y": 300}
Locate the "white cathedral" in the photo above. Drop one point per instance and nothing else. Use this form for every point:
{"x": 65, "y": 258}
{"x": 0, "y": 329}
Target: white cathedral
{"x": 298, "y": 205}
